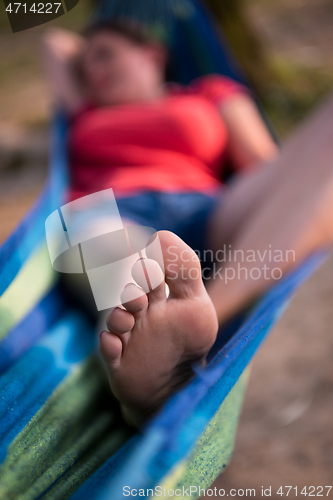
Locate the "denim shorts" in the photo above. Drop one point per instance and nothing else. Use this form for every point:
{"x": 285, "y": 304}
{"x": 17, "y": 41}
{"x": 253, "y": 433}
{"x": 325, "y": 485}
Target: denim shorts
{"x": 185, "y": 214}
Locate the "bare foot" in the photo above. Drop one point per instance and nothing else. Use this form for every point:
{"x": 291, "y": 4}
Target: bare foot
{"x": 152, "y": 345}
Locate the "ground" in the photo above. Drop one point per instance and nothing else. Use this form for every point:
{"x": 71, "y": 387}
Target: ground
{"x": 285, "y": 435}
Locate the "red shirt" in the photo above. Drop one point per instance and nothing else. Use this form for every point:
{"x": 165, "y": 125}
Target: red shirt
{"x": 177, "y": 143}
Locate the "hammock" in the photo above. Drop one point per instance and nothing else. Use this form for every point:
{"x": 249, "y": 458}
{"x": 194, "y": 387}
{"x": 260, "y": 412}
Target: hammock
{"x": 60, "y": 433}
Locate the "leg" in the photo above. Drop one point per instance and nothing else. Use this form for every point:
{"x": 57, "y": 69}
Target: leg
{"x": 293, "y": 212}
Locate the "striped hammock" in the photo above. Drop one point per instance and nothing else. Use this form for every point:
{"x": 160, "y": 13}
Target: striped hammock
{"x": 61, "y": 434}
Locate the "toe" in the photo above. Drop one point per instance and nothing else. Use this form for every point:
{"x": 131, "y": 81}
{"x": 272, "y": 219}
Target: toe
{"x": 134, "y": 299}
{"x": 149, "y": 275}
{"x": 120, "y": 321}
{"x": 140, "y": 276}
{"x": 110, "y": 347}
{"x": 182, "y": 266}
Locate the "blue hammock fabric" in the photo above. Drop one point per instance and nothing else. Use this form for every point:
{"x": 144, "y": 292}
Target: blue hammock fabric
{"x": 61, "y": 434}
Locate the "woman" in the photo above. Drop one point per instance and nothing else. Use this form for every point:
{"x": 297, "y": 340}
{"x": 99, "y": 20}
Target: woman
{"x": 163, "y": 149}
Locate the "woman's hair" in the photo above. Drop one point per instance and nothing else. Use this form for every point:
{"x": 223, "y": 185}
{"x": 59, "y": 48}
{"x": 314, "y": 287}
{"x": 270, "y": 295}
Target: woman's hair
{"x": 133, "y": 31}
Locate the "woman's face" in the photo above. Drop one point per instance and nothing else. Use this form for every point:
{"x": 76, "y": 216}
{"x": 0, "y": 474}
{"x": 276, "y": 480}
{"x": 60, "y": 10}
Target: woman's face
{"x": 117, "y": 70}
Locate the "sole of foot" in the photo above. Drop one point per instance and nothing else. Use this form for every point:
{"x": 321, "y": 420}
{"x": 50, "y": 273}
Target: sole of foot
{"x": 154, "y": 340}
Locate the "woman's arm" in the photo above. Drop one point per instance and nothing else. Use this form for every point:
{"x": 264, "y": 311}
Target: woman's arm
{"x": 250, "y": 143}
{"x": 62, "y": 51}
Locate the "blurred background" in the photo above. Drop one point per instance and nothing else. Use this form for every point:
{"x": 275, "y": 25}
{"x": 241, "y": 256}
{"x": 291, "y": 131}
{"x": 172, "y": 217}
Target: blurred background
{"x": 286, "y": 48}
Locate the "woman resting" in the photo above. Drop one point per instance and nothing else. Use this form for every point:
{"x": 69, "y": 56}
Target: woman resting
{"x": 163, "y": 149}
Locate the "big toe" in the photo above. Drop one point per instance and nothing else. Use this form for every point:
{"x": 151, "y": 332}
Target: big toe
{"x": 181, "y": 264}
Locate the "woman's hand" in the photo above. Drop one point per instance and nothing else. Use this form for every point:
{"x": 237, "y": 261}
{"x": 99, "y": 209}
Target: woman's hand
{"x": 62, "y": 51}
